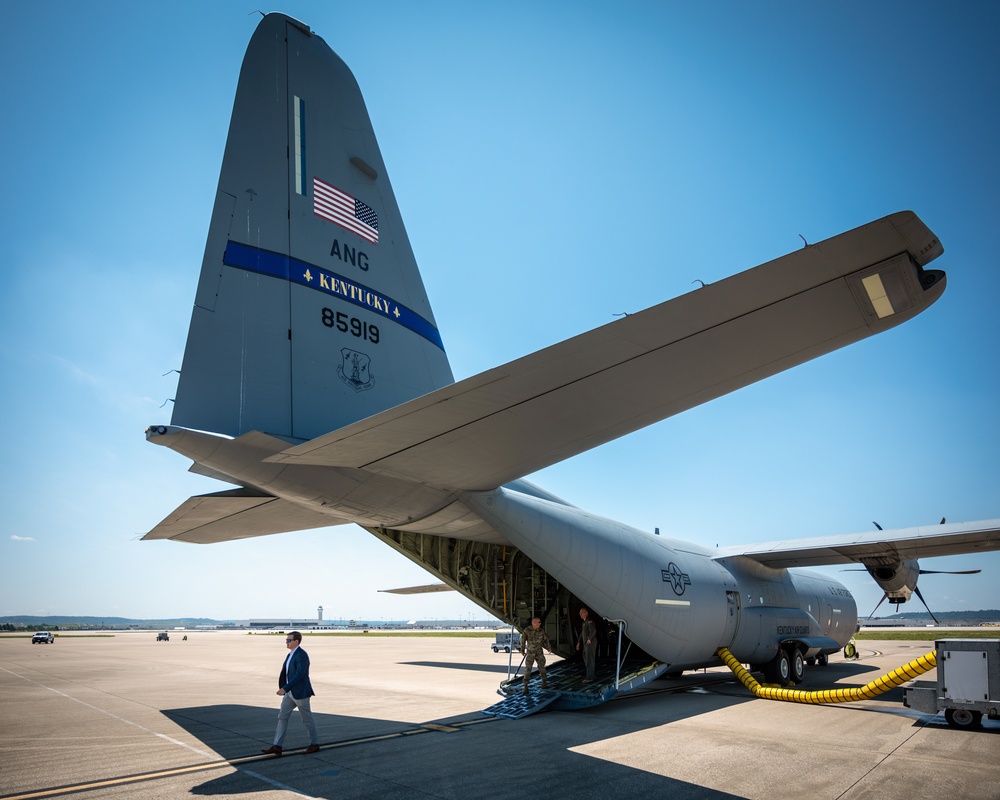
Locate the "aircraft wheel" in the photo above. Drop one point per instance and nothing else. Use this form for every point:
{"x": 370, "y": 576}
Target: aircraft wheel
{"x": 778, "y": 669}
{"x": 850, "y": 651}
{"x": 822, "y": 660}
{"x": 963, "y": 718}
{"x": 797, "y": 665}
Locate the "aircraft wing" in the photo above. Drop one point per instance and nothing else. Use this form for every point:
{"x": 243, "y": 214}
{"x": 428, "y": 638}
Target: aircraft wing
{"x": 236, "y": 514}
{"x": 904, "y": 543}
{"x": 515, "y": 419}
{"x": 428, "y": 588}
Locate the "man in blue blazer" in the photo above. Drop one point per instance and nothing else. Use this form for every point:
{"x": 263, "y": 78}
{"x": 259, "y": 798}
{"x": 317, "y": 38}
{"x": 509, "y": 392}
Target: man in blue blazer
{"x": 294, "y": 689}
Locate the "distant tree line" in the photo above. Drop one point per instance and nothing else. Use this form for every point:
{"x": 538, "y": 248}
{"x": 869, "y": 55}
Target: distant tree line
{"x": 10, "y": 627}
{"x": 985, "y": 615}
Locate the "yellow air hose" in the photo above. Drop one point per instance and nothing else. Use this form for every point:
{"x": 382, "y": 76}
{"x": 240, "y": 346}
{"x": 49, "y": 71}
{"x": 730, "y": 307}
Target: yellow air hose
{"x": 897, "y": 677}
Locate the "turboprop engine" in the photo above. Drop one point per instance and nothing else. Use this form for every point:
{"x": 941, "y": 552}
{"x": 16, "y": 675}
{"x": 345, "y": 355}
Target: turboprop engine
{"x": 897, "y": 577}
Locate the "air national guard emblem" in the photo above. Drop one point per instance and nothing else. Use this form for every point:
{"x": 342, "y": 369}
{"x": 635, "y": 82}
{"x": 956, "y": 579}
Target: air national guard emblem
{"x": 355, "y": 370}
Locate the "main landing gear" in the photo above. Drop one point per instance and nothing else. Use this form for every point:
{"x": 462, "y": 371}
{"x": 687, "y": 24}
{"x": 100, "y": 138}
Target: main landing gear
{"x": 788, "y": 666}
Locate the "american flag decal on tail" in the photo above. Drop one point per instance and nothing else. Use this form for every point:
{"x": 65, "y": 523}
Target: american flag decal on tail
{"x": 342, "y": 209}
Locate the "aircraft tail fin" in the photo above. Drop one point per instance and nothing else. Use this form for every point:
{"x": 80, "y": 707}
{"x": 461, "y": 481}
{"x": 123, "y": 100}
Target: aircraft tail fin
{"x": 310, "y": 312}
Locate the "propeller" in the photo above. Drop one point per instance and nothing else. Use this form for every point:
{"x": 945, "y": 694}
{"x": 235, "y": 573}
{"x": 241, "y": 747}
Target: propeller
{"x": 884, "y": 596}
{"x": 916, "y": 590}
{"x": 949, "y": 572}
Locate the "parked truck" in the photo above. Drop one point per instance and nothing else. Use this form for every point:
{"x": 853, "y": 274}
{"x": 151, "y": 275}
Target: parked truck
{"x": 967, "y": 686}
{"x": 506, "y": 642}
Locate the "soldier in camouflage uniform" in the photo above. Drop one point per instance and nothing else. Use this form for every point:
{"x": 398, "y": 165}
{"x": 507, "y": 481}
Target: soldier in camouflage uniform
{"x": 532, "y": 641}
{"x": 587, "y": 643}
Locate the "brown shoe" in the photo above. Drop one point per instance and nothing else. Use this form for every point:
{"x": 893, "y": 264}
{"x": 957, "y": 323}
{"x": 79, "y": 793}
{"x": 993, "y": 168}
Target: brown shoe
{"x": 313, "y": 748}
{"x": 272, "y": 750}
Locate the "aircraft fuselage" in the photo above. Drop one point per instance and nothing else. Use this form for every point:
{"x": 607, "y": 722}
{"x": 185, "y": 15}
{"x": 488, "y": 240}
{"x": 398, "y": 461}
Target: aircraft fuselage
{"x": 680, "y": 603}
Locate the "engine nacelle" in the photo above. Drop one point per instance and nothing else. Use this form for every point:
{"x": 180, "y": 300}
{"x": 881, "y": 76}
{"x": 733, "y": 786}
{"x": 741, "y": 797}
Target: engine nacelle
{"x": 896, "y": 577}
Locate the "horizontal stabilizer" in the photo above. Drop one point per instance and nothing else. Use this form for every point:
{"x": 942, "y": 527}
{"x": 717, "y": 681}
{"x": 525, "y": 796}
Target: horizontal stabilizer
{"x": 905, "y": 543}
{"x": 236, "y": 514}
{"x": 425, "y": 589}
{"x": 515, "y": 419}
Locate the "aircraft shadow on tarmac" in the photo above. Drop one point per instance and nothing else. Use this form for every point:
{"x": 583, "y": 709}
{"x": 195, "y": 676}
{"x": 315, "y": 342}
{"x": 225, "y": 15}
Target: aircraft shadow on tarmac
{"x": 394, "y": 762}
{"x": 533, "y": 755}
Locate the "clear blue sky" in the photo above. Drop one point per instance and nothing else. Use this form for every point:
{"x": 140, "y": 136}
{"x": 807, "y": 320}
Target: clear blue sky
{"x": 555, "y": 164}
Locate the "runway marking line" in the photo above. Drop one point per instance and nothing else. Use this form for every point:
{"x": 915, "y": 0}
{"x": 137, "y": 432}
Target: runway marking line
{"x": 56, "y": 791}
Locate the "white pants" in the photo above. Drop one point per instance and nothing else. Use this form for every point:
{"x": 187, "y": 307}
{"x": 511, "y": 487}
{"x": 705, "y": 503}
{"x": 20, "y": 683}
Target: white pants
{"x": 288, "y": 705}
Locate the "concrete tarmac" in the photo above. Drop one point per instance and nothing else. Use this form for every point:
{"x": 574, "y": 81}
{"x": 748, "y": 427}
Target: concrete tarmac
{"x": 125, "y": 716}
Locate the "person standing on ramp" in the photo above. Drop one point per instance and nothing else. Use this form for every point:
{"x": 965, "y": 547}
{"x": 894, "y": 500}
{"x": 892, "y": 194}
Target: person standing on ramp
{"x": 587, "y": 643}
{"x": 532, "y": 641}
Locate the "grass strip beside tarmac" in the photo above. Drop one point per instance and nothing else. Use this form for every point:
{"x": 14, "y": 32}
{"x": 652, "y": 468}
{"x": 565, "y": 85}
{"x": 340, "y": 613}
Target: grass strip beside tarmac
{"x": 926, "y": 634}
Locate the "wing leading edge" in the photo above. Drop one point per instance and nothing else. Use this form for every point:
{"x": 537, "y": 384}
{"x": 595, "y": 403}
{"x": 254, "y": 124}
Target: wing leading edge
{"x": 538, "y": 410}
{"x": 236, "y": 514}
{"x": 904, "y": 543}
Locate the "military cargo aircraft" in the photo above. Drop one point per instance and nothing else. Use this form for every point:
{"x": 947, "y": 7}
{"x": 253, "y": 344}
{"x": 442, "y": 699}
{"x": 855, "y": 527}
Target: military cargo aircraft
{"x": 315, "y": 381}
